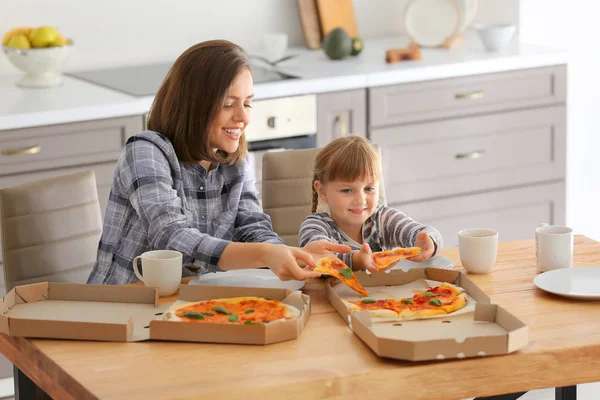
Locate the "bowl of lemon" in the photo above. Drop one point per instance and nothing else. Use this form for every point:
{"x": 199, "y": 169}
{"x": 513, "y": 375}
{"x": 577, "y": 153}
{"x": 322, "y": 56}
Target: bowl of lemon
{"x": 39, "y": 52}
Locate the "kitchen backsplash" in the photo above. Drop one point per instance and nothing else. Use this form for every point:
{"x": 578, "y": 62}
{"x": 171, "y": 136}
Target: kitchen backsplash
{"x": 117, "y": 32}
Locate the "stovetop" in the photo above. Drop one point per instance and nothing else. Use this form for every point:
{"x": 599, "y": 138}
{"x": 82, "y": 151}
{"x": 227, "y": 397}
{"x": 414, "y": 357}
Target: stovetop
{"x": 145, "y": 80}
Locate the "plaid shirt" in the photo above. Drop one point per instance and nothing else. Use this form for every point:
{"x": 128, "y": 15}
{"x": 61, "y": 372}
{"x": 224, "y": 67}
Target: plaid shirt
{"x": 386, "y": 229}
{"x": 157, "y": 202}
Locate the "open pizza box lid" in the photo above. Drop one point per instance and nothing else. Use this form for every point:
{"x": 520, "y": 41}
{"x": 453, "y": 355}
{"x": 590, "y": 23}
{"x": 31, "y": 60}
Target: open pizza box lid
{"x": 78, "y": 311}
{"x": 129, "y": 313}
{"x": 235, "y": 333}
{"x": 479, "y": 329}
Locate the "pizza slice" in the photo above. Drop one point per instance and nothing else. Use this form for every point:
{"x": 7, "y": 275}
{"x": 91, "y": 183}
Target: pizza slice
{"x": 235, "y": 310}
{"x": 333, "y": 266}
{"x": 385, "y": 259}
{"x": 446, "y": 297}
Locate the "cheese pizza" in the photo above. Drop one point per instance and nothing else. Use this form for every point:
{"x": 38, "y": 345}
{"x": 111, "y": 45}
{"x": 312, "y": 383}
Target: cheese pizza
{"x": 235, "y": 310}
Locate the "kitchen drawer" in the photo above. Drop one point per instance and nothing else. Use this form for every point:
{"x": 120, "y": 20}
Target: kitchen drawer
{"x": 514, "y": 213}
{"x": 472, "y": 154}
{"x": 55, "y": 146}
{"x": 104, "y": 174}
{"x": 455, "y": 97}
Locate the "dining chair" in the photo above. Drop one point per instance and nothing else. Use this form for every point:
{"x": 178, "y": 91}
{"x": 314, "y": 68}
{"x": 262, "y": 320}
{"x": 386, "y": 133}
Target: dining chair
{"x": 287, "y": 190}
{"x": 50, "y": 229}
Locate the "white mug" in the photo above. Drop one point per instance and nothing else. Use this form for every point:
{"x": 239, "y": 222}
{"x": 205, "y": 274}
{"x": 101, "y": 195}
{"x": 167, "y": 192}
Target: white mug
{"x": 275, "y": 45}
{"x": 162, "y": 270}
{"x": 553, "y": 247}
{"x": 478, "y": 249}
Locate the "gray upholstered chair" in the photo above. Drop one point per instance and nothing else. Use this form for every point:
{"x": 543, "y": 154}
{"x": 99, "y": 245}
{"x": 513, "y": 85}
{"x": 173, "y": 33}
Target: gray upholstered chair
{"x": 50, "y": 229}
{"x": 287, "y": 190}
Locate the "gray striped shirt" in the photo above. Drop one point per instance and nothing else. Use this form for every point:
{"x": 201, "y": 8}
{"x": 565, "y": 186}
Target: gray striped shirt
{"x": 386, "y": 229}
{"x": 157, "y": 202}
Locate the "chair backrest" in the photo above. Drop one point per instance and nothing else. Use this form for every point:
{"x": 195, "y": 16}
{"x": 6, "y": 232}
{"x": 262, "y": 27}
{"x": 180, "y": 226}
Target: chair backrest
{"x": 287, "y": 190}
{"x": 50, "y": 229}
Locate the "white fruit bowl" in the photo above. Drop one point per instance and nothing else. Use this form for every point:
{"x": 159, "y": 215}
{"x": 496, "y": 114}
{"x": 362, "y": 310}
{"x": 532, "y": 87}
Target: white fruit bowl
{"x": 42, "y": 66}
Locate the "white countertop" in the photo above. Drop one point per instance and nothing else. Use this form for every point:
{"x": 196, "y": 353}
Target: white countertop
{"x": 76, "y": 100}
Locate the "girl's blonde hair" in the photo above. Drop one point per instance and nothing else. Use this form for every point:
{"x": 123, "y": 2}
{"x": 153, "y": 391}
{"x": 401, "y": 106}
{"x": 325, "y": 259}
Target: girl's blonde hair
{"x": 347, "y": 158}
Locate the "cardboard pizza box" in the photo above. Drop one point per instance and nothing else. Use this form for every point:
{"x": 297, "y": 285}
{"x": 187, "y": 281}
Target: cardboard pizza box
{"x": 78, "y": 311}
{"x": 480, "y": 329}
{"x": 234, "y": 333}
{"x": 130, "y": 313}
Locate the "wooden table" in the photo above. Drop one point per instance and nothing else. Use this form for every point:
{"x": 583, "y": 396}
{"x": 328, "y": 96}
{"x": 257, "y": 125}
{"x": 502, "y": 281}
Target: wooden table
{"x": 329, "y": 361}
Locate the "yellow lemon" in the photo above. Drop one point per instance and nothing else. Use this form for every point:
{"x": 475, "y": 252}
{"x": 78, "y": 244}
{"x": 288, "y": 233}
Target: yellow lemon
{"x": 19, "y": 42}
{"x": 60, "y": 41}
{"x": 23, "y": 30}
{"x": 43, "y": 36}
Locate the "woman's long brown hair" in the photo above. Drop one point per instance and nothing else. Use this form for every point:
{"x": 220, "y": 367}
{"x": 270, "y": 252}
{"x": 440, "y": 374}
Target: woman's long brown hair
{"x": 190, "y": 98}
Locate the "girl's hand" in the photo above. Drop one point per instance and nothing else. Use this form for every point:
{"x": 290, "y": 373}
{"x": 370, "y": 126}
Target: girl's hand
{"x": 427, "y": 247}
{"x": 321, "y": 248}
{"x": 283, "y": 261}
{"x": 365, "y": 259}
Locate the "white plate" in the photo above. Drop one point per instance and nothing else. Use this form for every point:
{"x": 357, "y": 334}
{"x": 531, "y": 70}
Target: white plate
{"x": 577, "y": 282}
{"x": 430, "y": 22}
{"x": 435, "y": 262}
{"x": 261, "y": 278}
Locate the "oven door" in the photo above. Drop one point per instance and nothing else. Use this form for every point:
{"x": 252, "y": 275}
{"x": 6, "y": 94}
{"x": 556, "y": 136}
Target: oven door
{"x": 256, "y": 150}
{"x": 286, "y": 123}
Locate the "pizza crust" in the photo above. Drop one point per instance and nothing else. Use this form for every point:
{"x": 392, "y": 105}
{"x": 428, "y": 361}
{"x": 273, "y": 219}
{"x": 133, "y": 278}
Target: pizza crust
{"x": 290, "y": 311}
{"x": 381, "y": 313}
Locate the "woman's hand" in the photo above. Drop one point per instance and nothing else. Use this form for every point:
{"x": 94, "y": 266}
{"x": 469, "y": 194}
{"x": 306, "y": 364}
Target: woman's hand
{"x": 427, "y": 247}
{"x": 283, "y": 261}
{"x": 363, "y": 259}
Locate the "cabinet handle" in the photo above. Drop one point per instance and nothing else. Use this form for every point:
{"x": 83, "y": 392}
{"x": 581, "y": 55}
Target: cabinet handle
{"x": 343, "y": 129}
{"x": 28, "y": 150}
{"x": 470, "y": 95}
{"x": 471, "y": 155}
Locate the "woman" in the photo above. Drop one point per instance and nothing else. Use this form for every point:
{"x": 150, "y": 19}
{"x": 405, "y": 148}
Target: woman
{"x": 184, "y": 184}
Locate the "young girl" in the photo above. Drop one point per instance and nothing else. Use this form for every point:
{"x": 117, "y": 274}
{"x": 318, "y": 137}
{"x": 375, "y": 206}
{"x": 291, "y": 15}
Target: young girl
{"x": 184, "y": 185}
{"x": 346, "y": 178}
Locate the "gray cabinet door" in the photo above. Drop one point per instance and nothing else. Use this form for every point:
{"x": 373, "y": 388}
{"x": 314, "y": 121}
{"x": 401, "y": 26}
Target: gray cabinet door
{"x": 65, "y": 145}
{"x": 465, "y": 155}
{"x": 514, "y": 213}
{"x": 341, "y": 113}
{"x": 455, "y": 97}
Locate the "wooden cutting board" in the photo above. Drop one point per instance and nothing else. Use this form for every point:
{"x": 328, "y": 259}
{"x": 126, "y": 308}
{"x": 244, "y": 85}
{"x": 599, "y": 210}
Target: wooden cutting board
{"x": 337, "y": 13}
{"x": 309, "y": 19}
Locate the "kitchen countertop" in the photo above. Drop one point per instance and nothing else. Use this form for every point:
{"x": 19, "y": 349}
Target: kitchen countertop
{"x": 77, "y": 101}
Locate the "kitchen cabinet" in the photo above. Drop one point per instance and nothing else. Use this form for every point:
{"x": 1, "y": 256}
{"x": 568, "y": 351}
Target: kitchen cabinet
{"x": 31, "y": 154}
{"x": 478, "y": 94}
{"x": 341, "y": 113}
{"x": 513, "y": 212}
{"x": 470, "y": 154}
{"x": 484, "y": 151}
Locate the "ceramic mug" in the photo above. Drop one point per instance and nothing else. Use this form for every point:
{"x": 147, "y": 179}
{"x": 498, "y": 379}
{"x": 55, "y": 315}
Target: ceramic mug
{"x": 275, "y": 45}
{"x": 553, "y": 247}
{"x": 162, "y": 270}
{"x": 478, "y": 249}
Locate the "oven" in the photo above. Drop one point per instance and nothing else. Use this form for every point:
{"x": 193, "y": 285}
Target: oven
{"x": 285, "y": 123}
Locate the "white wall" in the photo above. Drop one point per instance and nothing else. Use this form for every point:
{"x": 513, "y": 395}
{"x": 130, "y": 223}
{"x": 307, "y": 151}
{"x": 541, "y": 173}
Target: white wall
{"x": 128, "y": 32}
{"x": 573, "y": 25}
